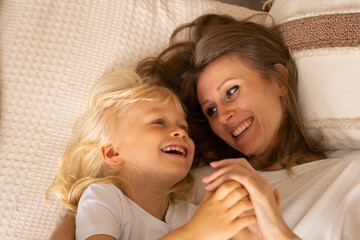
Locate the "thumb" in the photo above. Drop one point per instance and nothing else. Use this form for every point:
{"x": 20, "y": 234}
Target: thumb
{"x": 278, "y": 198}
{"x": 207, "y": 196}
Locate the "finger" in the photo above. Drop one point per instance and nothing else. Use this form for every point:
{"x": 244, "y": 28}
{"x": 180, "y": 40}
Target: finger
{"x": 223, "y": 171}
{"x": 235, "y": 196}
{"x": 239, "y": 208}
{"x": 278, "y": 197}
{"x": 218, "y": 182}
{"x": 207, "y": 197}
{"x": 225, "y": 189}
{"x": 243, "y": 222}
{"x": 231, "y": 173}
{"x": 226, "y": 162}
{"x": 248, "y": 213}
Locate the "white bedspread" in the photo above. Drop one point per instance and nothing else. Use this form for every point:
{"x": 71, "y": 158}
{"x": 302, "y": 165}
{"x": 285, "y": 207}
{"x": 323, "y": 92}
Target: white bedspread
{"x": 320, "y": 201}
{"x": 51, "y": 53}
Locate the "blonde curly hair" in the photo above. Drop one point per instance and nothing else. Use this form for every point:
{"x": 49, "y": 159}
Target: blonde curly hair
{"x": 82, "y": 163}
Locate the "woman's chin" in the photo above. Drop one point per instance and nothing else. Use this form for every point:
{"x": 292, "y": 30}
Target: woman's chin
{"x": 248, "y": 151}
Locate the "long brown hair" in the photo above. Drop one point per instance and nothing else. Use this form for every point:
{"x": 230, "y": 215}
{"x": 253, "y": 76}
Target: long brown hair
{"x": 210, "y": 37}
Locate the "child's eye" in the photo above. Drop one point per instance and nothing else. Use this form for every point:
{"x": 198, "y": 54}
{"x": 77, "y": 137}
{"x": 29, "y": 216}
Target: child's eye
{"x": 210, "y": 111}
{"x": 231, "y": 91}
{"x": 183, "y": 127}
{"x": 159, "y": 122}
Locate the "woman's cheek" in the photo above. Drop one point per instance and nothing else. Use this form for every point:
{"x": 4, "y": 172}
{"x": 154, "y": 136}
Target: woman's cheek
{"x": 217, "y": 129}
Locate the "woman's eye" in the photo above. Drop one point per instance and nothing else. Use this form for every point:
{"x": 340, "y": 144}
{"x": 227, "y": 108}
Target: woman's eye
{"x": 231, "y": 91}
{"x": 210, "y": 111}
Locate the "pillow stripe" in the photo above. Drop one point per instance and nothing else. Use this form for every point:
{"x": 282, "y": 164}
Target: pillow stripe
{"x": 345, "y": 123}
{"x": 334, "y": 30}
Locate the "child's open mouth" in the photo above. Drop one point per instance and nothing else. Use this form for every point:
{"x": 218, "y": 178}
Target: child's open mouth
{"x": 177, "y": 150}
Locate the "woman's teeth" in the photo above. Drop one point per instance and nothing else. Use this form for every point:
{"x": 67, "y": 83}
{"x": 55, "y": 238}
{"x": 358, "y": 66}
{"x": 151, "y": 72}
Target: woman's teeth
{"x": 241, "y": 128}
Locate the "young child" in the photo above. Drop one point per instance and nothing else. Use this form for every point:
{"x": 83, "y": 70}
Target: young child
{"x": 126, "y": 173}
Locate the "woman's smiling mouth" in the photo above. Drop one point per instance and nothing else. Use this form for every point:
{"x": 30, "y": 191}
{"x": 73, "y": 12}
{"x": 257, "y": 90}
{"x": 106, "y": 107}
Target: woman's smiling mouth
{"x": 241, "y": 128}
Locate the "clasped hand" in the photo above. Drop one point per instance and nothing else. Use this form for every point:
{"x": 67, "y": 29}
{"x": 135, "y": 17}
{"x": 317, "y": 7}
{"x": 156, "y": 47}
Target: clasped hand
{"x": 261, "y": 198}
{"x": 219, "y": 215}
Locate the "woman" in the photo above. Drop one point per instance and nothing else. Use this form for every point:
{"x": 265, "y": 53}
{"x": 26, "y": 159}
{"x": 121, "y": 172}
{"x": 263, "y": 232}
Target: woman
{"x": 239, "y": 83}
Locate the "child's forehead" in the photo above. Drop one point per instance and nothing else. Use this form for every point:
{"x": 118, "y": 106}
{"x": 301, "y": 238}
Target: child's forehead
{"x": 157, "y": 106}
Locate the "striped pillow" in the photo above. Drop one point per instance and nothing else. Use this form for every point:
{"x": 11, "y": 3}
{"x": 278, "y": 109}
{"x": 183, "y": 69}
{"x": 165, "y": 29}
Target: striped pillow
{"x": 324, "y": 39}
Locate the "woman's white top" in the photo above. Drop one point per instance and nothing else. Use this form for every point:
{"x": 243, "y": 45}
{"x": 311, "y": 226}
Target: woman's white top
{"x": 104, "y": 209}
{"x": 321, "y": 200}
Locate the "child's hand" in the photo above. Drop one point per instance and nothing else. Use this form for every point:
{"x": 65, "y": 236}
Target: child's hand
{"x": 246, "y": 234}
{"x": 270, "y": 222}
{"x": 217, "y": 216}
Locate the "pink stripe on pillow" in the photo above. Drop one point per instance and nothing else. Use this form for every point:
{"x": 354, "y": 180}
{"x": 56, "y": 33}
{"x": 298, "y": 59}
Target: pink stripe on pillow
{"x": 335, "y": 30}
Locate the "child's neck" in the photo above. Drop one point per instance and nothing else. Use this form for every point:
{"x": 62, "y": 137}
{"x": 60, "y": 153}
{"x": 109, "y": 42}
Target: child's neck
{"x": 151, "y": 201}
{"x": 156, "y": 207}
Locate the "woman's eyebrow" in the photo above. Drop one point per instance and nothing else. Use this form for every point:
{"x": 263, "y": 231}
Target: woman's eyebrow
{"x": 218, "y": 88}
{"x": 222, "y": 83}
{"x": 204, "y": 103}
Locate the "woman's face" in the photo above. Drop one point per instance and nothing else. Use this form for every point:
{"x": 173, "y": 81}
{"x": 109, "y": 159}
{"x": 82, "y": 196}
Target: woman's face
{"x": 242, "y": 107}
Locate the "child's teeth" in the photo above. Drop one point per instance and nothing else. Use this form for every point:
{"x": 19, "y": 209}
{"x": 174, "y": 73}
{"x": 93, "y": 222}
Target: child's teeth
{"x": 178, "y": 149}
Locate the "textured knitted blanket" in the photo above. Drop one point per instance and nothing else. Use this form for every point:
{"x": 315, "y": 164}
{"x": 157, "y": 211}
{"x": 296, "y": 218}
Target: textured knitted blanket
{"x": 51, "y": 53}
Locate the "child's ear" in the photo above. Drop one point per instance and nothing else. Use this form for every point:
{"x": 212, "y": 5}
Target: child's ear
{"x": 111, "y": 155}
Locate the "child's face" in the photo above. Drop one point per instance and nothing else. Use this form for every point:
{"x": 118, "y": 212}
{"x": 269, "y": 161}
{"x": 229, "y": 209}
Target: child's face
{"x": 153, "y": 137}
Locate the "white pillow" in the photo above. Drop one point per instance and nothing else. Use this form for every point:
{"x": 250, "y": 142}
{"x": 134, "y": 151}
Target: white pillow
{"x": 52, "y": 52}
{"x": 324, "y": 38}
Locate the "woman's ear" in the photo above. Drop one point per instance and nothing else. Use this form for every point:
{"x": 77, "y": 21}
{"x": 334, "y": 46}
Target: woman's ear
{"x": 111, "y": 155}
{"x": 285, "y": 75}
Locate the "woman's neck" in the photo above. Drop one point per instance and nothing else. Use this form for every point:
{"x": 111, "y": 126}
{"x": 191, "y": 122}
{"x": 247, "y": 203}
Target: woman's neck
{"x": 278, "y": 165}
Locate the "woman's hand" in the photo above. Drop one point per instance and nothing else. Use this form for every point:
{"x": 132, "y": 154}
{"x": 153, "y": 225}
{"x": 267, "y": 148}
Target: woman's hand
{"x": 217, "y": 216}
{"x": 271, "y": 224}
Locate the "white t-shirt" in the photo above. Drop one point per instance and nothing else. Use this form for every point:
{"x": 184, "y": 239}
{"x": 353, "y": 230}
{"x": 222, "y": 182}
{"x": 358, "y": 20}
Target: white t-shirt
{"x": 104, "y": 209}
{"x": 320, "y": 201}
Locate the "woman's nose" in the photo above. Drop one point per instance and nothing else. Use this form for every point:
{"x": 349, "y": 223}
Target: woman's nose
{"x": 225, "y": 115}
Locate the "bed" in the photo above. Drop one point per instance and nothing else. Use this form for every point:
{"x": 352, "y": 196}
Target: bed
{"x": 52, "y": 52}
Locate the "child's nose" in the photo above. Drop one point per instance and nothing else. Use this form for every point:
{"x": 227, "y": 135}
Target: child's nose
{"x": 178, "y": 133}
